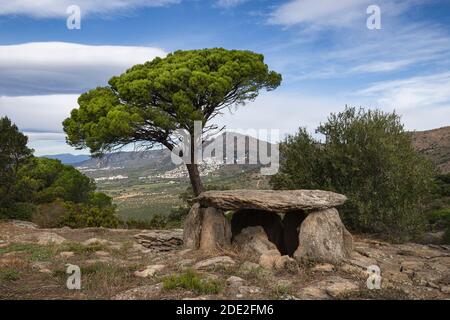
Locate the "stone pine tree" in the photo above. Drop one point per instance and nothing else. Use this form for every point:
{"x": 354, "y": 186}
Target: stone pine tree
{"x": 13, "y": 153}
{"x": 147, "y": 103}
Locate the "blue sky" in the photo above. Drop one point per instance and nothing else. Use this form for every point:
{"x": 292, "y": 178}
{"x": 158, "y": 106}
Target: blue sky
{"x": 323, "y": 48}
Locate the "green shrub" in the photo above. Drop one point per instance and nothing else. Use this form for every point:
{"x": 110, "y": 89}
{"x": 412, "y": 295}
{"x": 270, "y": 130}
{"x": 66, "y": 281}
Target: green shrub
{"x": 19, "y": 211}
{"x": 367, "y": 156}
{"x": 86, "y": 215}
{"x": 190, "y": 280}
{"x": 439, "y": 219}
{"x": 447, "y": 234}
{"x": 34, "y": 252}
{"x": 157, "y": 221}
{"x": 9, "y": 274}
{"x": 50, "y": 215}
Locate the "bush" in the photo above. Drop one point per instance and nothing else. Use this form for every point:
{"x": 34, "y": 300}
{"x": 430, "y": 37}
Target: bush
{"x": 439, "y": 219}
{"x": 18, "y": 210}
{"x": 447, "y": 234}
{"x": 49, "y": 215}
{"x": 87, "y": 215}
{"x": 368, "y": 156}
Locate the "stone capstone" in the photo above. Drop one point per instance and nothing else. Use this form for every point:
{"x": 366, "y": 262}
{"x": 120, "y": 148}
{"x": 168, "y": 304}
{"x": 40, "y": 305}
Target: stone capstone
{"x": 271, "y": 200}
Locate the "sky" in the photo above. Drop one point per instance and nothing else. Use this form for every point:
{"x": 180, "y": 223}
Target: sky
{"x": 324, "y": 49}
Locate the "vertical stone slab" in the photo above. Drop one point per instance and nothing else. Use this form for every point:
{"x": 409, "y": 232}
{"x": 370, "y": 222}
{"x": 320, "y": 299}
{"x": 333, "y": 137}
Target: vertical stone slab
{"x": 193, "y": 227}
{"x": 323, "y": 238}
{"x": 216, "y": 230}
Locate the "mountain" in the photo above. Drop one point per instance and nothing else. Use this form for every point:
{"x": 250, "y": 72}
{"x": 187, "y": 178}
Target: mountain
{"x": 156, "y": 162}
{"x": 434, "y": 144}
{"x": 68, "y": 158}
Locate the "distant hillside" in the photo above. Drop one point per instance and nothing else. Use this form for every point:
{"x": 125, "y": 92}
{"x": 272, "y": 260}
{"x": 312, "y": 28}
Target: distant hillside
{"x": 156, "y": 162}
{"x": 435, "y": 144}
{"x": 68, "y": 158}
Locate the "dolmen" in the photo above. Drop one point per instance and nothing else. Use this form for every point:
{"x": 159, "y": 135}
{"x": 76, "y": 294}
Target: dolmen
{"x": 297, "y": 224}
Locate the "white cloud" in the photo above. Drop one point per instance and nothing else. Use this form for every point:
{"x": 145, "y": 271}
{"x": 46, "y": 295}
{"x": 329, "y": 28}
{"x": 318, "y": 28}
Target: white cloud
{"x": 39, "y": 114}
{"x": 229, "y": 3}
{"x": 60, "y": 67}
{"x": 430, "y": 91}
{"x": 286, "y": 111}
{"x": 332, "y": 13}
{"x": 57, "y": 8}
{"x": 40, "y": 118}
{"x": 325, "y": 12}
{"x": 381, "y": 66}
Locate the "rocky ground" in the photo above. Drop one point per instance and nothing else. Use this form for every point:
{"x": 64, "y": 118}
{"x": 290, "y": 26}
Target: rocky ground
{"x": 117, "y": 264}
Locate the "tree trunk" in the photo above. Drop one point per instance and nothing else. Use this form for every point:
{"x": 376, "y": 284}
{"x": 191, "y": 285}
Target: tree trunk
{"x": 194, "y": 176}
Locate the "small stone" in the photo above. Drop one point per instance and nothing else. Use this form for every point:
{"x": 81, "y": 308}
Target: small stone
{"x": 140, "y": 293}
{"x": 268, "y": 259}
{"x": 312, "y": 293}
{"x": 149, "y": 271}
{"x": 66, "y": 254}
{"x": 102, "y": 253}
{"x": 445, "y": 289}
{"x": 234, "y": 281}
{"x": 201, "y": 298}
{"x": 185, "y": 263}
{"x": 92, "y": 241}
{"x": 40, "y": 265}
{"x": 323, "y": 267}
{"x": 249, "y": 290}
{"x": 286, "y": 263}
{"x": 184, "y": 252}
{"x": 330, "y": 287}
{"x": 45, "y": 270}
{"x": 336, "y": 286}
{"x": 248, "y": 266}
{"x": 24, "y": 224}
{"x": 222, "y": 261}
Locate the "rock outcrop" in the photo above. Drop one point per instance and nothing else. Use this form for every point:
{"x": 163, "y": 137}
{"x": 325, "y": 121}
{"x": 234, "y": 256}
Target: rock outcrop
{"x": 161, "y": 240}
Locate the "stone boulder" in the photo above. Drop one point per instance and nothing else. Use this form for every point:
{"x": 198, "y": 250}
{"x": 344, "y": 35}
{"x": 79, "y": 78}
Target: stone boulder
{"x": 211, "y": 263}
{"x": 323, "y": 238}
{"x": 216, "y": 230}
{"x": 271, "y": 200}
{"x": 192, "y": 228}
{"x": 253, "y": 242}
{"x": 269, "y": 221}
{"x": 206, "y": 229}
{"x": 161, "y": 240}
